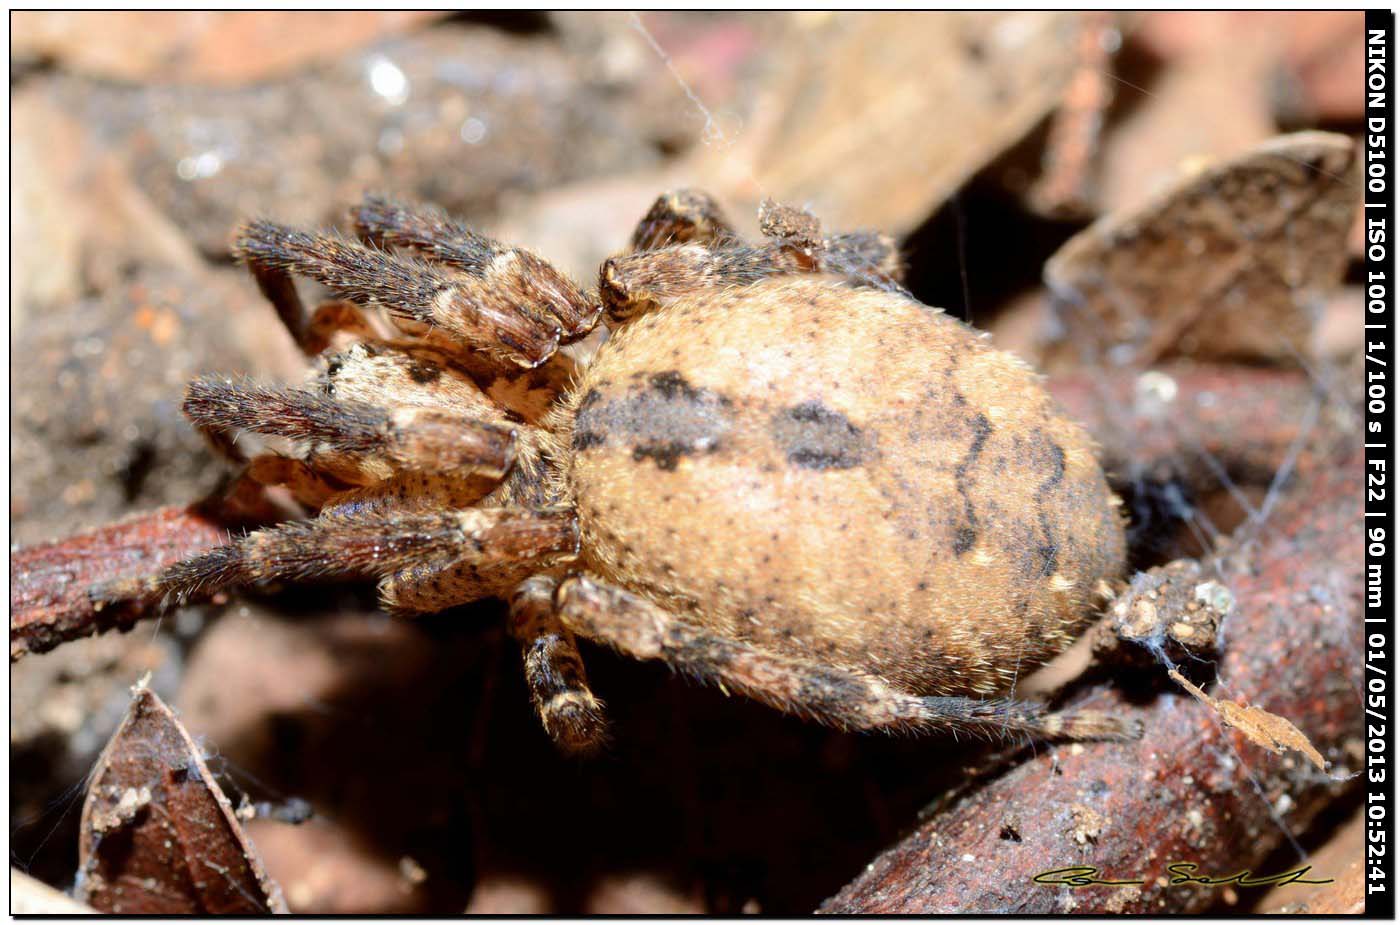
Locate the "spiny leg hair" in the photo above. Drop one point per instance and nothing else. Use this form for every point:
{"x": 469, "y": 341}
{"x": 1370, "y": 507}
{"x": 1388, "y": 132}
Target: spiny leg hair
{"x": 412, "y": 437}
{"x": 534, "y": 282}
{"x": 491, "y": 568}
{"x": 870, "y": 258}
{"x": 836, "y": 697}
{"x": 365, "y": 543}
{"x": 482, "y": 312}
{"x": 570, "y": 713}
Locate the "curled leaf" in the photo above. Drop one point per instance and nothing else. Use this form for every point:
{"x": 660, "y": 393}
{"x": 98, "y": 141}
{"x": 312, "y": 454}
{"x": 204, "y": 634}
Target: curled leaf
{"x": 158, "y": 835}
{"x": 1224, "y": 265}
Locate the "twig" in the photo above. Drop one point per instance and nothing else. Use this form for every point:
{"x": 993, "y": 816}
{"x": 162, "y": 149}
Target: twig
{"x": 50, "y": 582}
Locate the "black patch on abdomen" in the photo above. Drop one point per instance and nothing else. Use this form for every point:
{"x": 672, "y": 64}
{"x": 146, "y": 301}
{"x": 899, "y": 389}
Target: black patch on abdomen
{"x": 665, "y": 420}
{"x": 814, "y": 436}
{"x": 1049, "y": 551}
{"x": 966, "y": 536}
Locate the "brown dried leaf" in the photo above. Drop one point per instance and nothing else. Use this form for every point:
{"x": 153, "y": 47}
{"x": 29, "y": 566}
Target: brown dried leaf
{"x": 870, "y": 120}
{"x": 1225, "y": 265}
{"x": 1262, "y": 727}
{"x": 877, "y": 118}
{"x": 158, "y": 835}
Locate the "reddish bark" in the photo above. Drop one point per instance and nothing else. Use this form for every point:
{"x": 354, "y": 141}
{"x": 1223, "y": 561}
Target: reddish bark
{"x": 50, "y": 583}
{"x": 1245, "y": 416}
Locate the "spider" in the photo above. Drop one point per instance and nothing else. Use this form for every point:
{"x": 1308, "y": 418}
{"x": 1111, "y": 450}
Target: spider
{"x": 779, "y": 473}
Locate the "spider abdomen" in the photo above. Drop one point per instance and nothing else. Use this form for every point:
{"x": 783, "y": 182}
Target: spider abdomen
{"x": 843, "y": 474}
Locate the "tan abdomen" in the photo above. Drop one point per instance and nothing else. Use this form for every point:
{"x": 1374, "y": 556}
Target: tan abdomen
{"x": 845, "y": 473}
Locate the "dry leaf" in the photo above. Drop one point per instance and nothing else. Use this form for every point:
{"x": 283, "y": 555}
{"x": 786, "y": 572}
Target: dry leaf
{"x": 1262, "y": 727}
{"x": 877, "y": 118}
{"x": 1232, "y": 263}
{"x": 158, "y": 836}
{"x": 870, "y": 120}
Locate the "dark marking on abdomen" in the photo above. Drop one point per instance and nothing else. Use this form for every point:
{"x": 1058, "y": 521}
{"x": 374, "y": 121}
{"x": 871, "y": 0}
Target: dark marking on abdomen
{"x": 1057, "y": 463}
{"x": 1049, "y": 551}
{"x": 663, "y": 421}
{"x": 814, "y": 436}
{"x": 966, "y": 537}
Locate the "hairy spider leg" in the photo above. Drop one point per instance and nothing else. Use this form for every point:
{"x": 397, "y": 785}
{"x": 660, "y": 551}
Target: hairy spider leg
{"x": 277, "y": 286}
{"x": 403, "y": 376}
{"x": 522, "y": 542}
{"x": 532, "y": 283}
{"x": 683, "y": 216}
{"x": 833, "y": 696}
{"x": 372, "y": 543}
{"x": 867, "y": 258}
{"x": 634, "y": 284}
{"x": 405, "y": 372}
{"x": 703, "y": 258}
{"x": 570, "y": 713}
{"x": 483, "y": 313}
{"x": 407, "y": 437}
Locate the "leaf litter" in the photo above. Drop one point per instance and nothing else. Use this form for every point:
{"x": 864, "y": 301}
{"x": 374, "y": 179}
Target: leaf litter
{"x": 158, "y": 836}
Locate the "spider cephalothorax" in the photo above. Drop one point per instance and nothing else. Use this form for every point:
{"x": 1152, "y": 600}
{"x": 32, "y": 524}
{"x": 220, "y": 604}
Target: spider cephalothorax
{"x": 780, "y": 474}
